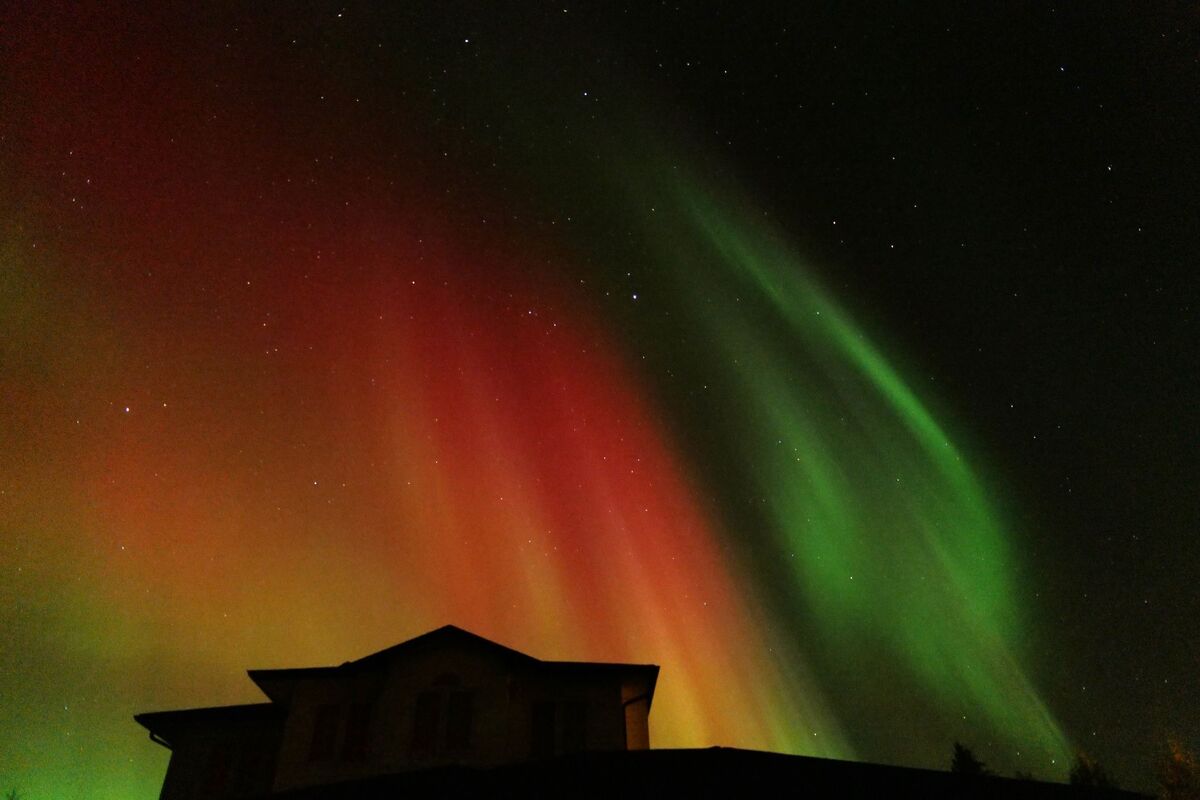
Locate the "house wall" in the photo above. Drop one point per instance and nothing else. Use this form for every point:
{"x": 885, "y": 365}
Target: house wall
{"x": 221, "y": 759}
{"x": 392, "y": 690}
{"x": 502, "y": 699}
{"x": 637, "y": 725}
{"x": 636, "y": 713}
{"x": 599, "y": 697}
{"x": 296, "y": 764}
{"x": 482, "y": 674}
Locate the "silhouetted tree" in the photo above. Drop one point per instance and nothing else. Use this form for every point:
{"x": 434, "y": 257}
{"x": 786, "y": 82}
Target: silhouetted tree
{"x": 1178, "y": 773}
{"x": 965, "y": 762}
{"x": 1087, "y": 772}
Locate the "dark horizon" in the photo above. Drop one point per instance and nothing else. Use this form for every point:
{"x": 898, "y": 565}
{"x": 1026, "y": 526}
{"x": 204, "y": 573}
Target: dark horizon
{"x": 449, "y": 713}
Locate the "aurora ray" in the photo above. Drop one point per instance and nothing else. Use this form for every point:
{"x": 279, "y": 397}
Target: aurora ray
{"x": 893, "y": 552}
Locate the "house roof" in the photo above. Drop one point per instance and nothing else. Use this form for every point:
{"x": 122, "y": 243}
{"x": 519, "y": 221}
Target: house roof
{"x": 276, "y": 683}
{"x": 165, "y": 725}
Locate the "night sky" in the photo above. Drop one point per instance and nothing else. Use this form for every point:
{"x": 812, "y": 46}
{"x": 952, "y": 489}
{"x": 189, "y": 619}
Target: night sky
{"x": 839, "y": 359}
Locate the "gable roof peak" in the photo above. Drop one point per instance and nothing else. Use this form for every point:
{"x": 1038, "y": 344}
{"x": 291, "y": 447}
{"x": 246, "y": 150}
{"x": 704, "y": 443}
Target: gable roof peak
{"x": 277, "y": 683}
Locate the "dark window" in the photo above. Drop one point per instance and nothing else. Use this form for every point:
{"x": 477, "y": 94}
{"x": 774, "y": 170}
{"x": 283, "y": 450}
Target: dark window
{"x": 426, "y": 720}
{"x": 216, "y": 772}
{"x": 459, "y": 717}
{"x": 358, "y": 729}
{"x": 249, "y": 765}
{"x": 574, "y": 727}
{"x": 542, "y": 741}
{"x": 325, "y": 730}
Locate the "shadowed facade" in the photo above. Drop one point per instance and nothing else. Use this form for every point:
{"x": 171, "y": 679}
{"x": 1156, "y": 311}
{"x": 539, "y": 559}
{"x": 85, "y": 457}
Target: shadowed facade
{"x": 446, "y": 698}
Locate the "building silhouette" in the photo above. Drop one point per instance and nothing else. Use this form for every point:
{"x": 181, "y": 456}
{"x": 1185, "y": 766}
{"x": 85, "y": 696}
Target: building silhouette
{"x": 451, "y": 714}
{"x": 446, "y": 698}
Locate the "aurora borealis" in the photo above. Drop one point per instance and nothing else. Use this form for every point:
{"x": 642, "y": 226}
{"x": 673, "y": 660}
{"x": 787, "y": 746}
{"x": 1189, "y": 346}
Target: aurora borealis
{"x": 325, "y": 328}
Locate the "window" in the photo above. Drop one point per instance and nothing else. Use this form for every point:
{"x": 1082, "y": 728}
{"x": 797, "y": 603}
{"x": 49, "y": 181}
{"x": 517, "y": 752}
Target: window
{"x": 325, "y": 731}
{"x": 574, "y": 727}
{"x": 358, "y": 728}
{"x": 216, "y": 772}
{"x": 458, "y": 720}
{"x": 245, "y": 775}
{"x": 542, "y": 730}
{"x": 444, "y": 717}
{"x": 427, "y": 719}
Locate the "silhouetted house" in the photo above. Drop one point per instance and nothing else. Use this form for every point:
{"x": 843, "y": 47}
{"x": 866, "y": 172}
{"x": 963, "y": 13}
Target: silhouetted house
{"x": 446, "y": 698}
{"x": 452, "y": 715}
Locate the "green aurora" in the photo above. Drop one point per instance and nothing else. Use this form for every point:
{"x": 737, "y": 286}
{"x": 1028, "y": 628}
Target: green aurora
{"x": 886, "y": 552}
